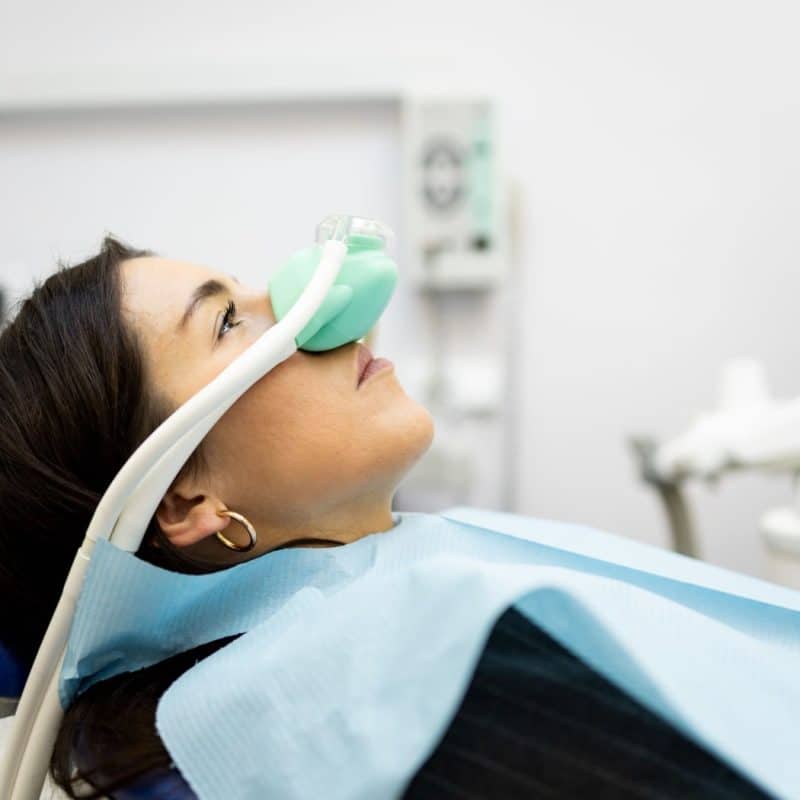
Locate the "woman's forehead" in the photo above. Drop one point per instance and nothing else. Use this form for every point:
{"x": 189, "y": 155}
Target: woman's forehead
{"x": 156, "y": 285}
{"x": 156, "y": 291}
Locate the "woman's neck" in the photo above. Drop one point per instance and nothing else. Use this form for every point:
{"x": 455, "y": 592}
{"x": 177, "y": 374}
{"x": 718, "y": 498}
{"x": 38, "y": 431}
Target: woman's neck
{"x": 343, "y": 523}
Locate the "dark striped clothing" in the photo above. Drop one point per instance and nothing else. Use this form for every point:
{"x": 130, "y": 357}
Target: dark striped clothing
{"x": 536, "y": 722}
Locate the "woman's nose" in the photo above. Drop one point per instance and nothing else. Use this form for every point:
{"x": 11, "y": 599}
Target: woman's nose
{"x": 268, "y": 312}
{"x": 257, "y": 305}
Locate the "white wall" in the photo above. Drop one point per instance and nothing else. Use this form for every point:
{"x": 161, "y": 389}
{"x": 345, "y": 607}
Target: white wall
{"x": 655, "y": 148}
{"x": 221, "y": 186}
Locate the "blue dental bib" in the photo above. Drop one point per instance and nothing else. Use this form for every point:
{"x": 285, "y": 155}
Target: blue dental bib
{"x": 354, "y": 659}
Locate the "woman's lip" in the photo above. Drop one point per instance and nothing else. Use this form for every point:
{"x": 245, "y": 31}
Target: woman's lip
{"x": 366, "y": 365}
{"x": 363, "y": 357}
{"x": 374, "y": 366}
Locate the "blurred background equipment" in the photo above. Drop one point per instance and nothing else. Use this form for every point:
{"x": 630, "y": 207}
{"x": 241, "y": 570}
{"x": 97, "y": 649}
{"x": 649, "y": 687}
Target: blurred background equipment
{"x": 749, "y": 430}
{"x": 457, "y": 260}
{"x": 455, "y": 231}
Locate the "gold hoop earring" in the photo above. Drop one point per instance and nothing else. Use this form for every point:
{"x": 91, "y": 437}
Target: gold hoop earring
{"x": 245, "y": 523}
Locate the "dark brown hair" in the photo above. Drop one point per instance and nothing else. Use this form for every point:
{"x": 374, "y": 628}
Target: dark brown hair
{"x": 75, "y": 403}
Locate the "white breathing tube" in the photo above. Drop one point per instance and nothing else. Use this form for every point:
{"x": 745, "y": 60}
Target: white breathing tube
{"x": 129, "y": 503}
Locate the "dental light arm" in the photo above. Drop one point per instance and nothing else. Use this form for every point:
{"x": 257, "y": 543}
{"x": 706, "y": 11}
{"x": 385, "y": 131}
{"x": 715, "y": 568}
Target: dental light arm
{"x": 749, "y": 430}
{"x": 133, "y": 496}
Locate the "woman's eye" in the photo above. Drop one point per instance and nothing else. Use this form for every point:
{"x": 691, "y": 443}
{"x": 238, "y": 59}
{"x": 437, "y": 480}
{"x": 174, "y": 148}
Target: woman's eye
{"x": 229, "y": 320}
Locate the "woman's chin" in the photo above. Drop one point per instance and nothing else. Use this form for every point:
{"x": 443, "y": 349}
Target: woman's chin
{"x": 413, "y": 432}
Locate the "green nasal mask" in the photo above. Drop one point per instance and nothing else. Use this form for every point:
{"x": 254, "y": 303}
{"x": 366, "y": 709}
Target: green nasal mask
{"x": 354, "y": 303}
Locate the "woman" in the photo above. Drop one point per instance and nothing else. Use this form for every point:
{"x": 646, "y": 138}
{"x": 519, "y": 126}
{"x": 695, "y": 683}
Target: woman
{"x": 95, "y": 359}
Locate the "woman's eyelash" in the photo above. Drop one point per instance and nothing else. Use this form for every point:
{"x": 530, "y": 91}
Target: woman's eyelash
{"x": 228, "y": 319}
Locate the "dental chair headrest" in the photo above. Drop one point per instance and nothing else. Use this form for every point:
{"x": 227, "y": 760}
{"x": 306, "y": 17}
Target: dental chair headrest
{"x": 12, "y": 674}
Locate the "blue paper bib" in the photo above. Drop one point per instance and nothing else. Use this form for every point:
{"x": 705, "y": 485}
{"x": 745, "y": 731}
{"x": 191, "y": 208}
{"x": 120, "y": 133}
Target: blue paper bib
{"x": 356, "y": 658}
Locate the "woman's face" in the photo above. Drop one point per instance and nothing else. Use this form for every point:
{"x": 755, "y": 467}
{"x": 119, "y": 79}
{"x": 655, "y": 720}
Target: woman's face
{"x": 304, "y": 452}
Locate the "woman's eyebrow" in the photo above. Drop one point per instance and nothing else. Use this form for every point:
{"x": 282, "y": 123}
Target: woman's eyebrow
{"x": 210, "y": 288}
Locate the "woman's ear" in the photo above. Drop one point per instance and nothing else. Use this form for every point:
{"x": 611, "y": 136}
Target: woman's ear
{"x": 188, "y": 516}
